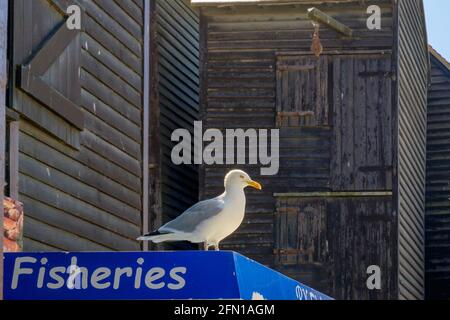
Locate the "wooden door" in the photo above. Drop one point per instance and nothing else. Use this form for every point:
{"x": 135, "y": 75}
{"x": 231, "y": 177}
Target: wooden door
{"x": 300, "y": 244}
{"x": 328, "y": 243}
{"x": 338, "y": 111}
{"x": 361, "y": 232}
{"x": 303, "y": 119}
{"x": 362, "y": 145}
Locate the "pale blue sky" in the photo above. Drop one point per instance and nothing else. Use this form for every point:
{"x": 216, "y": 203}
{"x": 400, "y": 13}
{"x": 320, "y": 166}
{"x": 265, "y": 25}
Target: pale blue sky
{"x": 438, "y": 24}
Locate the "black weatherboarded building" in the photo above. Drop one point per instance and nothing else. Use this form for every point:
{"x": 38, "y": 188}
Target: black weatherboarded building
{"x": 90, "y": 114}
{"x": 350, "y": 192}
{"x": 89, "y": 118}
{"x": 438, "y": 193}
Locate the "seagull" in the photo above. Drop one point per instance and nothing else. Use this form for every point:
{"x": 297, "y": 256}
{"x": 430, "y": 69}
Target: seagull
{"x": 209, "y": 221}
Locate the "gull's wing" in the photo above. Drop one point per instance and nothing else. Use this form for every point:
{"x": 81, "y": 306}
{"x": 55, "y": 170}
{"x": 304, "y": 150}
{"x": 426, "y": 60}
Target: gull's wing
{"x": 192, "y": 217}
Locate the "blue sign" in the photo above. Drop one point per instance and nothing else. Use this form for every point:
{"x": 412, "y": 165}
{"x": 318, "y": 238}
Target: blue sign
{"x": 146, "y": 275}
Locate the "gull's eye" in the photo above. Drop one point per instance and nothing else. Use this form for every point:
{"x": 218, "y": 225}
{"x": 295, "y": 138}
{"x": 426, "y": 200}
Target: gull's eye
{"x": 242, "y": 177}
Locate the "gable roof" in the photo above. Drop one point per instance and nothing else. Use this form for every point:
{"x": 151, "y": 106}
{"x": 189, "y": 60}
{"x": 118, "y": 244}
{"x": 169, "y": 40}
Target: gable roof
{"x": 439, "y": 58}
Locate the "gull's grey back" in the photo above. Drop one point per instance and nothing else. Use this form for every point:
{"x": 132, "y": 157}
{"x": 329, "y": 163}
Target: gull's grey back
{"x": 192, "y": 217}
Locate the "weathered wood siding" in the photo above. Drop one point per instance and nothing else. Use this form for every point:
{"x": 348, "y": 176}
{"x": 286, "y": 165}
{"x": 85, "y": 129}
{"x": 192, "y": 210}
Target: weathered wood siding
{"x": 437, "y": 220}
{"x": 330, "y": 242}
{"x": 412, "y": 124}
{"x": 178, "y": 81}
{"x": 81, "y": 187}
{"x": 357, "y": 163}
{"x": 3, "y": 83}
{"x": 258, "y": 73}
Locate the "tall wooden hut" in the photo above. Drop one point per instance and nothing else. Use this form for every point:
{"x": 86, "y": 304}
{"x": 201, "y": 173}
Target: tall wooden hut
{"x": 89, "y": 115}
{"x": 350, "y": 191}
{"x": 438, "y": 181}
{"x": 177, "y": 84}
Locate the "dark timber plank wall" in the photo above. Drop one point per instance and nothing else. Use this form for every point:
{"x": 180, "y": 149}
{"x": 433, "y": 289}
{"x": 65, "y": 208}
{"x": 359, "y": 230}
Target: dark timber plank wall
{"x": 3, "y": 85}
{"x": 240, "y": 46}
{"x": 412, "y": 92}
{"x": 82, "y": 188}
{"x": 438, "y": 175}
{"x": 178, "y": 70}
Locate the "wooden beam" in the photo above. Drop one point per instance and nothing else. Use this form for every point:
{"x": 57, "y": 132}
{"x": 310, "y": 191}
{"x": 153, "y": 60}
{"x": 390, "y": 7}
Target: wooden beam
{"x": 323, "y": 18}
{"x": 12, "y": 115}
{"x": 3, "y": 83}
{"x": 51, "y": 98}
{"x": 51, "y": 49}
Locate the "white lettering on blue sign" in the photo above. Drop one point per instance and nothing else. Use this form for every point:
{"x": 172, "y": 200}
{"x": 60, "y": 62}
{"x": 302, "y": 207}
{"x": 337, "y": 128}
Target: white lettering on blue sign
{"x": 75, "y": 277}
{"x": 146, "y": 275}
{"x": 303, "y": 293}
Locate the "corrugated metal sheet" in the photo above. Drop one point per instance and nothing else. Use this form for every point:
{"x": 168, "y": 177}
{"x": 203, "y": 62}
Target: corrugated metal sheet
{"x": 438, "y": 181}
{"x": 412, "y": 102}
{"x": 178, "y": 66}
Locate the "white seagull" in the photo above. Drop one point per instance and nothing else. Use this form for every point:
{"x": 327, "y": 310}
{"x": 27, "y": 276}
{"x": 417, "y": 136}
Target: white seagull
{"x": 209, "y": 221}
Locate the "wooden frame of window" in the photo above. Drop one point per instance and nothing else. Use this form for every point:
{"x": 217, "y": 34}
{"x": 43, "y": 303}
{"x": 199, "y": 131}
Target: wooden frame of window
{"x": 13, "y": 123}
{"x": 36, "y": 63}
{"x": 3, "y": 83}
{"x": 302, "y": 91}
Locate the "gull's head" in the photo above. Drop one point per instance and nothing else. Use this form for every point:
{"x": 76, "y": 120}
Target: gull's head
{"x": 239, "y": 179}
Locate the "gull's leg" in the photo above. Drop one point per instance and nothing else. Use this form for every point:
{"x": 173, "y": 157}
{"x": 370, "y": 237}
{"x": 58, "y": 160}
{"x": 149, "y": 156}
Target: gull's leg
{"x": 205, "y": 246}
{"x": 216, "y": 246}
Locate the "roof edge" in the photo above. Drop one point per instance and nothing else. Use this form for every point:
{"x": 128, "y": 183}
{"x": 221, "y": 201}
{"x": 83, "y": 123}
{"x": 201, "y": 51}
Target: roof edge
{"x": 225, "y": 3}
{"x": 439, "y": 57}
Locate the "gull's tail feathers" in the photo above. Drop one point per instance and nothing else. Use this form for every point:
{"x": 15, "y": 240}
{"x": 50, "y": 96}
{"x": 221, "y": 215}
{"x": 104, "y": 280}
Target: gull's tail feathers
{"x": 157, "y": 237}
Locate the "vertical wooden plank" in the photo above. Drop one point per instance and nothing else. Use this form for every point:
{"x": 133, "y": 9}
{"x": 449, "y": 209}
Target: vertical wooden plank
{"x": 317, "y": 104}
{"x": 155, "y": 214}
{"x": 285, "y": 91}
{"x": 395, "y": 142}
{"x": 297, "y": 92}
{"x": 308, "y": 86}
{"x": 360, "y": 122}
{"x": 348, "y": 111}
{"x": 373, "y": 128}
{"x": 146, "y": 122}
{"x": 322, "y": 92}
{"x": 3, "y": 83}
{"x": 203, "y": 71}
{"x": 301, "y": 89}
{"x": 14, "y": 160}
{"x": 387, "y": 142}
{"x": 279, "y": 93}
{"x": 74, "y": 70}
{"x": 336, "y": 163}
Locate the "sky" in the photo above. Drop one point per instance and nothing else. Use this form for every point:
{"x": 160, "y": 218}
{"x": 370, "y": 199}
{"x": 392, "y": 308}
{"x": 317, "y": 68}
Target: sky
{"x": 437, "y": 13}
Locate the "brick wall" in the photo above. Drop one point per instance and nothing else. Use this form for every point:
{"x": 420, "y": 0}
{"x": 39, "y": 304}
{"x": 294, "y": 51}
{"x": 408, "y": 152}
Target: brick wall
{"x": 12, "y": 225}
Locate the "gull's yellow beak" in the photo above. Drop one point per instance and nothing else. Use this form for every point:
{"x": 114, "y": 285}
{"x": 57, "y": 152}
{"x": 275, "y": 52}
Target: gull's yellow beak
{"x": 254, "y": 184}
